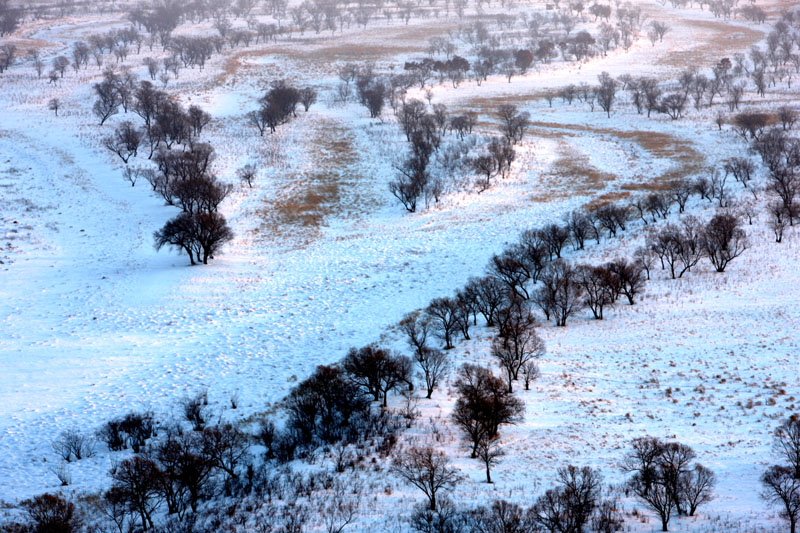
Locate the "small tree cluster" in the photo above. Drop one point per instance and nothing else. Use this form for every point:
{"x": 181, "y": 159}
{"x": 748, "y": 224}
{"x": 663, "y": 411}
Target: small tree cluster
{"x": 665, "y": 479}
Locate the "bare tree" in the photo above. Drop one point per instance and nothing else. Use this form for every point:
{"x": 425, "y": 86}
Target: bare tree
{"x": 606, "y": 92}
{"x": 656, "y": 496}
{"x": 247, "y": 174}
{"x": 630, "y": 278}
{"x": 427, "y": 469}
{"x": 660, "y": 29}
{"x": 787, "y": 443}
{"x": 513, "y": 122}
{"x": 570, "y": 505}
{"x": 50, "y": 512}
{"x": 308, "y": 96}
{"x": 54, "y": 104}
{"x": 137, "y": 482}
{"x": 778, "y": 219}
{"x": 483, "y": 405}
{"x": 374, "y": 369}
{"x": 787, "y": 116}
{"x": 200, "y": 235}
{"x": 723, "y": 240}
{"x": 560, "y": 294}
{"x": 443, "y": 313}
{"x": 198, "y": 119}
{"x": 434, "y": 366}
{"x": 489, "y": 452}
{"x": 108, "y": 100}
{"x": 696, "y": 487}
{"x": 530, "y": 372}
{"x": 125, "y": 141}
{"x": 600, "y": 287}
{"x": 782, "y": 488}
{"x": 339, "y": 510}
{"x": 517, "y": 344}
{"x": 72, "y": 443}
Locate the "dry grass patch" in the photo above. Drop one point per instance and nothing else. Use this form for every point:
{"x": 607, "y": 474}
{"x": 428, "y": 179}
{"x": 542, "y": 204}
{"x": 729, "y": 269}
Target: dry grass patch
{"x": 573, "y": 173}
{"x": 306, "y": 200}
{"x": 716, "y": 40}
{"x": 686, "y": 160}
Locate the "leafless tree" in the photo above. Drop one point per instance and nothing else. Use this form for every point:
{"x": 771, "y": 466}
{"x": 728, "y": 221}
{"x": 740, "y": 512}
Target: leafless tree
{"x": 71, "y": 444}
{"x": 483, "y": 404}
{"x": 696, "y": 487}
{"x": 612, "y": 217}
{"x": 125, "y": 141}
{"x": 50, "y": 512}
{"x": 136, "y": 481}
{"x": 200, "y": 235}
{"x": 340, "y": 509}
{"x": 690, "y": 244}
{"x": 778, "y": 219}
{"x": 513, "y": 122}
{"x": 723, "y": 240}
{"x": 787, "y": 443}
{"x": 787, "y": 116}
{"x": 427, "y": 469}
{"x": 513, "y": 269}
{"x": 54, "y": 104}
{"x": 108, "y": 100}
{"x": 194, "y": 410}
{"x": 560, "y": 295}
{"x": 198, "y": 119}
{"x": 656, "y": 496}
{"x": 660, "y": 29}
{"x": 434, "y": 365}
{"x": 673, "y": 105}
{"x": 750, "y": 124}
{"x": 308, "y": 96}
{"x": 247, "y": 174}
{"x": 489, "y": 452}
{"x": 373, "y": 369}
{"x": 225, "y": 447}
{"x": 530, "y": 372}
{"x": 443, "y": 315}
{"x": 411, "y": 181}
{"x": 629, "y": 275}
{"x": 488, "y": 295}
{"x": 782, "y": 488}
{"x": 8, "y": 54}
{"x": 606, "y": 92}
{"x": 600, "y": 288}
{"x": 570, "y": 505}
{"x": 517, "y": 343}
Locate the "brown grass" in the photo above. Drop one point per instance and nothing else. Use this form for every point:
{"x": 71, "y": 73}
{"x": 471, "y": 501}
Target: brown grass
{"x": 586, "y": 179}
{"x": 572, "y": 174}
{"x": 717, "y": 39}
{"x": 306, "y": 200}
{"x": 323, "y": 53}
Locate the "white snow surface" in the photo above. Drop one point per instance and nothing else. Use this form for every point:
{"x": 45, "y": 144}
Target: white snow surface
{"x": 96, "y": 322}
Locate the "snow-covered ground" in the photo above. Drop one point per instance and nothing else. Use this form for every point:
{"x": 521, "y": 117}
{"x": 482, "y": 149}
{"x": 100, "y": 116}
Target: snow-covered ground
{"x": 95, "y": 322}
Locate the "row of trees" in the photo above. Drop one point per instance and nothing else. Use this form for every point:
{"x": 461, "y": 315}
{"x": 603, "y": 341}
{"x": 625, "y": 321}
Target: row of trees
{"x": 664, "y": 478}
{"x": 279, "y": 105}
{"x": 563, "y": 289}
{"x": 780, "y": 153}
{"x": 183, "y": 174}
{"x": 185, "y": 179}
